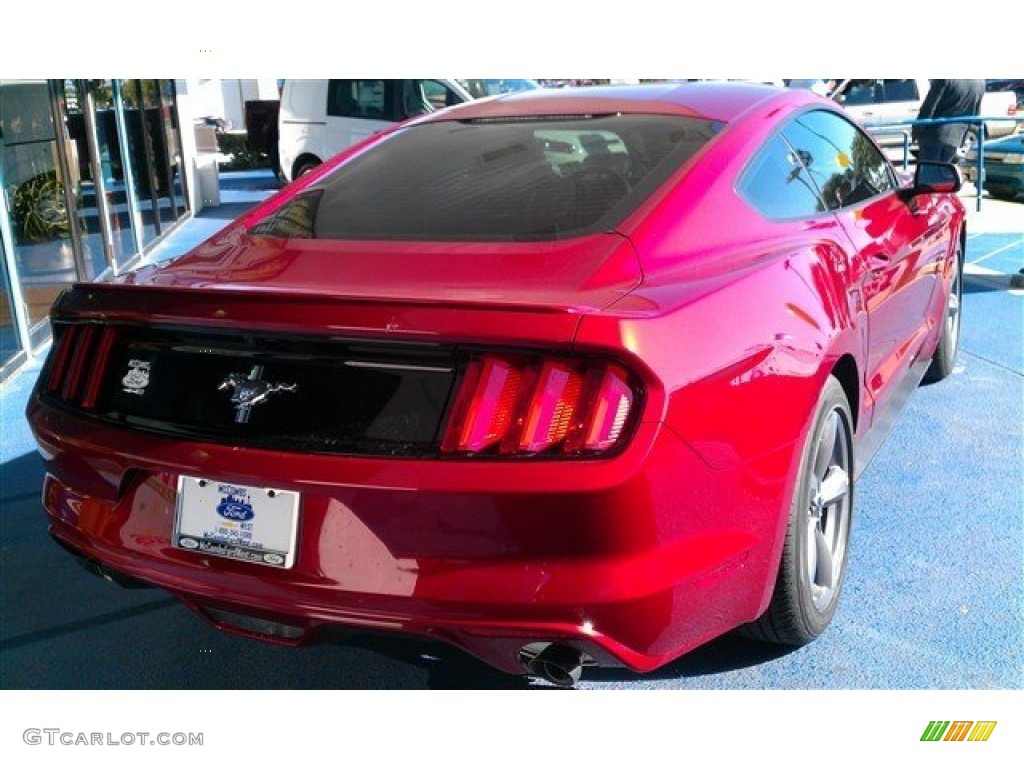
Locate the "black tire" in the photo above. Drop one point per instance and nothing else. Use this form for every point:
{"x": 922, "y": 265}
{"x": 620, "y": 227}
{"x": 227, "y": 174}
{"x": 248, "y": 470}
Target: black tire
{"x": 949, "y": 339}
{"x": 814, "y": 554}
{"x": 304, "y": 166}
{"x": 1003, "y": 194}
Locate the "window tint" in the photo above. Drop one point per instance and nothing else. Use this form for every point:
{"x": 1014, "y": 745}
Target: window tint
{"x": 521, "y": 179}
{"x": 777, "y": 184}
{"x": 844, "y": 163}
{"x": 368, "y": 99}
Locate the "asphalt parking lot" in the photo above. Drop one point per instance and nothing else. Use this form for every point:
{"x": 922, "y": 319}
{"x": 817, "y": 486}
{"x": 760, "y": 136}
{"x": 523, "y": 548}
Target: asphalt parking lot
{"x": 933, "y": 597}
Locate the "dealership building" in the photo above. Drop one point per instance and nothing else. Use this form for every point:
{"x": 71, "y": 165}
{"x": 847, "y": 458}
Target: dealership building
{"x": 94, "y": 173}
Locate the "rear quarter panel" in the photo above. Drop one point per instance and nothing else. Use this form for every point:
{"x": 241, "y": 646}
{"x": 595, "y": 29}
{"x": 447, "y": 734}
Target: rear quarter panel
{"x": 740, "y": 321}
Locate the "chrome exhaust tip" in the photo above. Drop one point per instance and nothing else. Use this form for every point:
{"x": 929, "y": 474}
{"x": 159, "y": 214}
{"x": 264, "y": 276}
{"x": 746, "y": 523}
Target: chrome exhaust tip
{"x": 558, "y": 664}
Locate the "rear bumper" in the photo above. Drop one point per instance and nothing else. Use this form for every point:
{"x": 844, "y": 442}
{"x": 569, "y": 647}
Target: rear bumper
{"x": 633, "y": 560}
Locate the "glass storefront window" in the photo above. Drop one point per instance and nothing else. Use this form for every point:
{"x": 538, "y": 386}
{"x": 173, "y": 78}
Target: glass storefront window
{"x": 85, "y": 191}
{"x": 92, "y": 173}
{"x": 10, "y": 344}
{"x": 150, "y": 156}
{"x": 172, "y": 144}
{"x": 37, "y": 197}
{"x": 92, "y": 124}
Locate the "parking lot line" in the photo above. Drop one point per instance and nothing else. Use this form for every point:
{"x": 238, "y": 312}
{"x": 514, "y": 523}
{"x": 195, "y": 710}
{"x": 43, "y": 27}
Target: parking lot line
{"x": 1016, "y": 244}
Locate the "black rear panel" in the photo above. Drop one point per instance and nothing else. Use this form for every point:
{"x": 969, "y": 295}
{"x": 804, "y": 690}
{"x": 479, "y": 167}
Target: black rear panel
{"x": 284, "y": 393}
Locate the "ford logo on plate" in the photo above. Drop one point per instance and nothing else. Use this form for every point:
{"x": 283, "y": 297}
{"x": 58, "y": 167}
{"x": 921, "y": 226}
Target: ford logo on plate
{"x": 188, "y": 543}
{"x": 232, "y": 508}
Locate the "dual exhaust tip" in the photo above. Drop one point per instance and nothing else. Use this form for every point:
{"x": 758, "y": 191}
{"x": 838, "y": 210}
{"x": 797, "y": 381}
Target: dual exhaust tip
{"x": 558, "y": 664}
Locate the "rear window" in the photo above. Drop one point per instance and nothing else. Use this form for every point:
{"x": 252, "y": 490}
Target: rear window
{"x": 521, "y": 179}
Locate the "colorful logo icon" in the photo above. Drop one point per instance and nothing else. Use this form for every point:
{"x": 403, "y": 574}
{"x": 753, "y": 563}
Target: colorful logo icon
{"x": 958, "y": 730}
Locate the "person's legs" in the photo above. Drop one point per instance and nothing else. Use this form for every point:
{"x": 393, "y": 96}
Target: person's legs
{"x": 936, "y": 151}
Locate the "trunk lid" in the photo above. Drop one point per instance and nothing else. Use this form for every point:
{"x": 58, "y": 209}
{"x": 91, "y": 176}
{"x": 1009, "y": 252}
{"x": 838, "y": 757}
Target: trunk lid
{"x": 580, "y": 275}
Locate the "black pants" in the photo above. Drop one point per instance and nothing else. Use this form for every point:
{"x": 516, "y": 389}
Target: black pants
{"x": 936, "y": 151}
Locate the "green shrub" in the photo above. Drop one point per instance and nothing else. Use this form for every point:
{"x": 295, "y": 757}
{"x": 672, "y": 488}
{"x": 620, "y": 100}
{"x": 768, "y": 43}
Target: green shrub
{"x": 40, "y": 213}
{"x": 242, "y": 158}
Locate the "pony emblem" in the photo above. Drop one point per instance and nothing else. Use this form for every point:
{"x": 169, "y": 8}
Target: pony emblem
{"x": 251, "y": 390}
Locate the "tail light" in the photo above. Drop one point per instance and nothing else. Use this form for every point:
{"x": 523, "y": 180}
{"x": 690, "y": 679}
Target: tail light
{"x": 80, "y": 358}
{"x": 508, "y": 406}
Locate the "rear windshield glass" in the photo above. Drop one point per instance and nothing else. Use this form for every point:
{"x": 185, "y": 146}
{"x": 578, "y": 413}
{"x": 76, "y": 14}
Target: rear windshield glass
{"x": 523, "y": 179}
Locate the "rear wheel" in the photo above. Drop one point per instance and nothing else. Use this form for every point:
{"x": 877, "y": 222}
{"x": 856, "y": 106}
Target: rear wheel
{"x": 814, "y": 555}
{"x": 949, "y": 338}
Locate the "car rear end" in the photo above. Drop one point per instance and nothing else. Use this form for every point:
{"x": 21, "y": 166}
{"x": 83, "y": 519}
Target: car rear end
{"x": 368, "y": 406}
{"x": 371, "y": 492}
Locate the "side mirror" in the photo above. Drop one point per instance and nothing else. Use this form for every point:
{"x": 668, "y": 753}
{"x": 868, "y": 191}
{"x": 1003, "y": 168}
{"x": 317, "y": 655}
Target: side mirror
{"x": 936, "y": 178}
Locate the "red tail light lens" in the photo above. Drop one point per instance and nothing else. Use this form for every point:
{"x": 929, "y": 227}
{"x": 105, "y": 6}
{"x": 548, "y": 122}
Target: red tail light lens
{"x": 483, "y": 410}
{"x": 80, "y": 363}
{"x": 607, "y": 404}
{"x": 524, "y": 407}
{"x": 546, "y": 418}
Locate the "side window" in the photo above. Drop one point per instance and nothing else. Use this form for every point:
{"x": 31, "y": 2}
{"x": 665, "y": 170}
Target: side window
{"x": 439, "y": 95}
{"x": 367, "y": 99}
{"x": 420, "y": 97}
{"x": 900, "y": 90}
{"x": 862, "y": 92}
{"x": 844, "y": 163}
{"x": 776, "y": 183}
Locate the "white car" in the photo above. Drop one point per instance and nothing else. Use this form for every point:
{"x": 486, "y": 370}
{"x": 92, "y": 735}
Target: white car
{"x": 320, "y": 118}
{"x": 894, "y": 101}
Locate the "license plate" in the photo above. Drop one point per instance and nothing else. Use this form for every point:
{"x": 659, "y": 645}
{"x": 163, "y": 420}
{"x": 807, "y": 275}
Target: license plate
{"x": 240, "y": 522}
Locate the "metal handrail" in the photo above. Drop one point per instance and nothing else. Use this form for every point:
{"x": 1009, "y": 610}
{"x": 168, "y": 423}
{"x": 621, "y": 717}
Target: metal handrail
{"x": 904, "y": 128}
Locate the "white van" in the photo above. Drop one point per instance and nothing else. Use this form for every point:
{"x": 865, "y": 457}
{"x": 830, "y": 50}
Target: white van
{"x": 320, "y": 118}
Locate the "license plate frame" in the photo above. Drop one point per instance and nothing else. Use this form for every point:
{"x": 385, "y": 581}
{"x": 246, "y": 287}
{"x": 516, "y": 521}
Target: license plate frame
{"x": 235, "y": 521}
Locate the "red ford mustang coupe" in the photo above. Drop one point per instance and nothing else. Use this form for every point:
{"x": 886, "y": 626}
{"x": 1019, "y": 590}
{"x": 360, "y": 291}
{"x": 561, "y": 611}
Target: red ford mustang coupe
{"x": 565, "y": 378}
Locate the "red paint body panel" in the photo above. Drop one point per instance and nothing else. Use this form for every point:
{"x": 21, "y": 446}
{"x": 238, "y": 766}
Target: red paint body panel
{"x": 582, "y": 274}
{"x": 728, "y": 323}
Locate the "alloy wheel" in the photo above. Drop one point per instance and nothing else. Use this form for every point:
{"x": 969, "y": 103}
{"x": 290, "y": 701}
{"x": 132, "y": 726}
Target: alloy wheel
{"x": 828, "y": 510}
{"x": 953, "y": 306}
